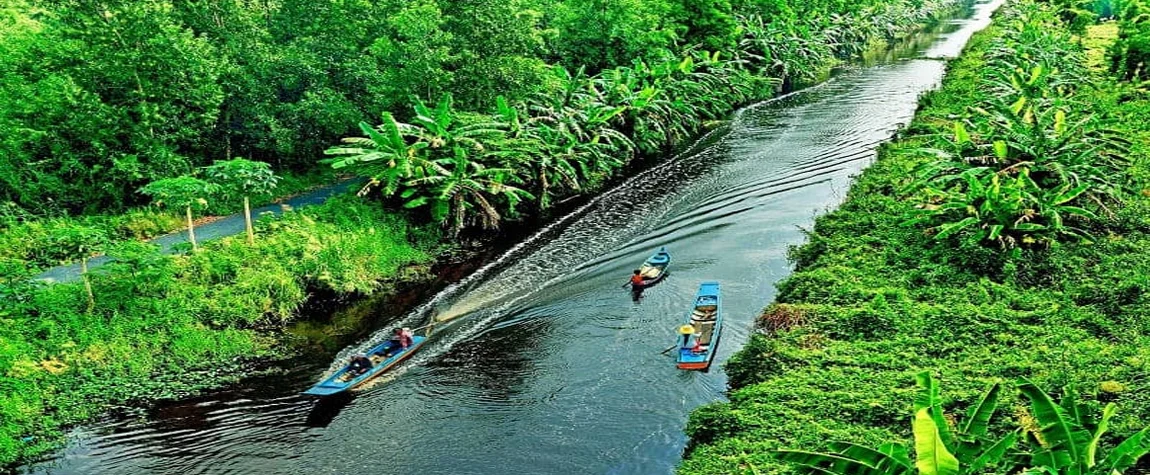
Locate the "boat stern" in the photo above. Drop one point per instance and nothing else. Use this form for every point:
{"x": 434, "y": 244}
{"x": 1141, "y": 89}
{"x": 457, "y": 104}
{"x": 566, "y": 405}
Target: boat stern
{"x": 690, "y": 360}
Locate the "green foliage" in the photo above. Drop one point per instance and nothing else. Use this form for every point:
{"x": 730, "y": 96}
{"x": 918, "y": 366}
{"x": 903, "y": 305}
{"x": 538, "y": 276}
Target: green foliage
{"x": 1066, "y": 440}
{"x": 180, "y": 192}
{"x": 600, "y": 34}
{"x": 240, "y": 177}
{"x": 1070, "y": 315}
{"x": 106, "y": 97}
{"x": 159, "y": 320}
{"x": 110, "y": 96}
{"x": 575, "y": 130}
{"x": 27, "y": 238}
{"x": 1034, "y": 162}
{"x": 1130, "y": 55}
{"x": 760, "y": 359}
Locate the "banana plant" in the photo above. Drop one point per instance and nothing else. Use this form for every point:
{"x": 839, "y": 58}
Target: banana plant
{"x": 444, "y": 130}
{"x": 1025, "y": 172}
{"x": 464, "y": 191}
{"x": 389, "y": 154}
{"x": 548, "y": 153}
{"x": 938, "y": 449}
{"x": 1068, "y": 440}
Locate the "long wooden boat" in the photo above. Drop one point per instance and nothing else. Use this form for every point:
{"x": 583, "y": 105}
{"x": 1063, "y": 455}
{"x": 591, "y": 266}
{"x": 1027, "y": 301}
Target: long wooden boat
{"x": 654, "y": 268}
{"x": 699, "y": 337}
{"x": 345, "y": 379}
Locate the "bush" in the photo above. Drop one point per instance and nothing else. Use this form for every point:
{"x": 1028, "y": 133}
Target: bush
{"x": 883, "y": 302}
{"x": 159, "y": 320}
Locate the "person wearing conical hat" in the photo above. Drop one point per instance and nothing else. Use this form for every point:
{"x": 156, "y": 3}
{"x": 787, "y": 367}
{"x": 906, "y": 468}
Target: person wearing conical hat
{"x": 686, "y": 331}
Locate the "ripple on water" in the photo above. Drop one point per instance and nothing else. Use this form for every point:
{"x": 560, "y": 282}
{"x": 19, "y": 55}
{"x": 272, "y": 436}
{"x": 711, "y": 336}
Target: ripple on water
{"x": 545, "y": 364}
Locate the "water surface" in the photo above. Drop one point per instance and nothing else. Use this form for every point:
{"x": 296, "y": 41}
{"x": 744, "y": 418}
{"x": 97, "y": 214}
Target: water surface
{"x": 545, "y": 365}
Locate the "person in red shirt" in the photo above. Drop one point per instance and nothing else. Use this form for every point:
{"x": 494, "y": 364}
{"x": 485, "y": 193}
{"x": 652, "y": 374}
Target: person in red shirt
{"x": 637, "y": 280}
{"x": 698, "y": 347}
{"x": 400, "y": 340}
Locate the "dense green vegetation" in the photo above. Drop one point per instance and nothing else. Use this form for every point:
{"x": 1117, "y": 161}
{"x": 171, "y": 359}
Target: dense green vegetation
{"x": 576, "y": 129}
{"x": 154, "y": 318}
{"x": 29, "y": 243}
{"x": 1058, "y": 438}
{"x": 1004, "y": 235}
{"x": 555, "y": 106}
{"x": 473, "y": 111}
{"x": 110, "y": 95}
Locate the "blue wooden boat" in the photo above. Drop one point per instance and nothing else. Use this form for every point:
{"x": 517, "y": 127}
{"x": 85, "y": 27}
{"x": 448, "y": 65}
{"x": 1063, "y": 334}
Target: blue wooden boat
{"x": 344, "y": 379}
{"x": 699, "y": 337}
{"x": 654, "y": 268}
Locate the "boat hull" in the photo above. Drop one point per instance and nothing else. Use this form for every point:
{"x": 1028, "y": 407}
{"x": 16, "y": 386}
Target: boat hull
{"x": 339, "y": 382}
{"x": 703, "y": 329}
{"x": 655, "y": 266}
{"x": 687, "y": 363}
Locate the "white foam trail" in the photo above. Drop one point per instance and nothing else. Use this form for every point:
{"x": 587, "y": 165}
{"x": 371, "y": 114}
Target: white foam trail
{"x": 420, "y": 314}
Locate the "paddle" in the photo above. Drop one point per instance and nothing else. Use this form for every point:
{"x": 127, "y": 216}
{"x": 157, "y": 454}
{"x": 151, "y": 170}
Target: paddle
{"x": 428, "y": 327}
{"x": 669, "y": 348}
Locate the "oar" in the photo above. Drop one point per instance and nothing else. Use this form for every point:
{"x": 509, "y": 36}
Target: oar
{"x": 428, "y": 327}
{"x": 669, "y": 348}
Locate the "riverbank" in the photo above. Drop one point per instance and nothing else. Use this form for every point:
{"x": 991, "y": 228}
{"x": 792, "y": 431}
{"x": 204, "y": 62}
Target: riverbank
{"x": 162, "y": 327}
{"x": 30, "y": 244}
{"x": 214, "y": 309}
{"x": 877, "y": 297}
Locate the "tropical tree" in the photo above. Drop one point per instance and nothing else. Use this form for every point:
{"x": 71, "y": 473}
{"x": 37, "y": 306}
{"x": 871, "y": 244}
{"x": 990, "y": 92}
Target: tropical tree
{"x": 181, "y": 192}
{"x": 243, "y": 178}
{"x": 573, "y": 121}
{"x": 81, "y": 243}
{"x": 465, "y": 190}
{"x": 1068, "y": 438}
{"x": 447, "y": 130}
{"x": 414, "y": 57}
{"x": 1027, "y": 167}
{"x": 106, "y": 93}
{"x": 384, "y": 155}
{"x": 529, "y": 145}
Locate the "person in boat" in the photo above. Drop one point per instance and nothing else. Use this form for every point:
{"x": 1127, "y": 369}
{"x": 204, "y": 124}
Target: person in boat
{"x": 637, "y": 281}
{"x": 400, "y": 340}
{"x": 359, "y": 364}
{"x": 686, "y": 331}
{"x": 698, "y": 346}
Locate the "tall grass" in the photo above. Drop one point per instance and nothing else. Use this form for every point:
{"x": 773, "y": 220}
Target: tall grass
{"x": 164, "y": 326}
